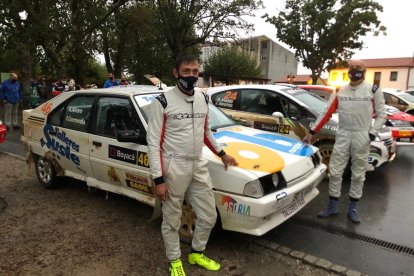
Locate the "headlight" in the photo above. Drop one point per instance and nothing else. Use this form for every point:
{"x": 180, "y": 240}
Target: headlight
{"x": 253, "y": 189}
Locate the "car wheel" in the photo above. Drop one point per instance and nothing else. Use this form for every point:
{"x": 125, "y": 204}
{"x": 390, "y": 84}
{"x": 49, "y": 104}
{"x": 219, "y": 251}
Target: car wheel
{"x": 45, "y": 172}
{"x": 326, "y": 150}
{"x": 188, "y": 220}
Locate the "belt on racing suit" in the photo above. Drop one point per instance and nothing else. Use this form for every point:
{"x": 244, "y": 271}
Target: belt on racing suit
{"x": 186, "y": 156}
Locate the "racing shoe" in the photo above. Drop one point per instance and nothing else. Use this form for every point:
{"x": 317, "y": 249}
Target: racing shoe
{"x": 331, "y": 209}
{"x": 353, "y": 213}
{"x": 176, "y": 268}
{"x": 203, "y": 261}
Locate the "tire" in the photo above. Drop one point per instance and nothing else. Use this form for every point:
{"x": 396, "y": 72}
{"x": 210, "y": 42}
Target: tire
{"x": 188, "y": 221}
{"x": 46, "y": 173}
{"x": 326, "y": 149}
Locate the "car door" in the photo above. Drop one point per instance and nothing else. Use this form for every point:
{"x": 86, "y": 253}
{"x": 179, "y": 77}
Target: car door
{"x": 122, "y": 167}
{"x": 66, "y": 134}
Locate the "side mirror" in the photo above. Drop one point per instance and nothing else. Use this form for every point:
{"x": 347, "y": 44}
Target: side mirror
{"x": 131, "y": 136}
{"x": 279, "y": 116}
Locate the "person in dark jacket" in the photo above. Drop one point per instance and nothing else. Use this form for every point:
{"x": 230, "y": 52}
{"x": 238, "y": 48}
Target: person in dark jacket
{"x": 111, "y": 81}
{"x": 11, "y": 95}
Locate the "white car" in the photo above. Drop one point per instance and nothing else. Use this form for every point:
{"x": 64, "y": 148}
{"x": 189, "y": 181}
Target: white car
{"x": 98, "y": 136}
{"x": 292, "y": 111}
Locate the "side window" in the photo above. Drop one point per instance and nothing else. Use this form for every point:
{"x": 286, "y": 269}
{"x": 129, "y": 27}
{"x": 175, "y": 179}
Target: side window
{"x": 77, "y": 113}
{"x": 114, "y": 114}
{"x": 226, "y": 99}
{"x": 394, "y": 100}
{"x": 56, "y": 117}
{"x": 293, "y": 110}
{"x": 387, "y": 98}
{"x": 260, "y": 101}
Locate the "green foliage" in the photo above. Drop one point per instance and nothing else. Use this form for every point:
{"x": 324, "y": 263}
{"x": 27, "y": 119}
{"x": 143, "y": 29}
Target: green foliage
{"x": 324, "y": 32}
{"x": 186, "y": 23}
{"x": 232, "y": 61}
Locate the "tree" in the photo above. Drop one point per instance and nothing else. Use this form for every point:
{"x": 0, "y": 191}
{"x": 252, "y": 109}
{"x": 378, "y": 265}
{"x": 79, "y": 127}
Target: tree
{"x": 187, "y": 23}
{"x": 324, "y": 32}
{"x": 59, "y": 33}
{"x": 232, "y": 62}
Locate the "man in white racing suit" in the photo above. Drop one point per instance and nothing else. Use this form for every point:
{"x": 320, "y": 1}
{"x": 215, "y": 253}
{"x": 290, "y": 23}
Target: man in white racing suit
{"x": 355, "y": 104}
{"x": 177, "y": 131}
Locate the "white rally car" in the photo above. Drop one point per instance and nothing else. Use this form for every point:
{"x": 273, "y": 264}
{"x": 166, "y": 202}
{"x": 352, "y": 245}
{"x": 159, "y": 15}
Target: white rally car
{"x": 98, "y": 136}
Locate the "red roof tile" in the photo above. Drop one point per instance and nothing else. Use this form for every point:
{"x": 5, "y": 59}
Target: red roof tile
{"x": 390, "y": 62}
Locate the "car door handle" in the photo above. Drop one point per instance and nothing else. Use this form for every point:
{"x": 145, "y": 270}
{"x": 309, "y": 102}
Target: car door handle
{"x": 97, "y": 144}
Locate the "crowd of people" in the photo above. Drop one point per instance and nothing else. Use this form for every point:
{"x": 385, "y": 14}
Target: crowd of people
{"x": 41, "y": 90}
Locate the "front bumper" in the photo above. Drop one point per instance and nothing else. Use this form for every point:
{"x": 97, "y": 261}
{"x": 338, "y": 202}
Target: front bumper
{"x": 256, "y": 216}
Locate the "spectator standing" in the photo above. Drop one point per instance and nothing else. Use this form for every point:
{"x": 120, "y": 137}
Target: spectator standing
{"x": 123, "y": 80}
{"x": 111, "y": 81}
{"x": 355, "y": 104}
{"x": 62, "y": 85}
{"x": 175, "y": 145}
{"x": 11, "y": 95}
{"x": 42, "y": 88}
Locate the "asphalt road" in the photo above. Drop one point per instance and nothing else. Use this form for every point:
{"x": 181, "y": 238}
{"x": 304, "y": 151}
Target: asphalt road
{"x": 383, "y": 244}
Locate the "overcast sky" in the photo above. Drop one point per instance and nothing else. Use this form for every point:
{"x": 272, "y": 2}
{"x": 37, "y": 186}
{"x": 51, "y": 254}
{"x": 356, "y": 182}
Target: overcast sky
{"x": 397, "y": 17}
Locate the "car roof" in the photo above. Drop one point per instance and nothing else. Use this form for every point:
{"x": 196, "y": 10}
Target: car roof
{"x": 127, "y": 89}
{"x": 318, "y": 86}
{"x": 212, "y": 90}
{"x": 392, "y": 91}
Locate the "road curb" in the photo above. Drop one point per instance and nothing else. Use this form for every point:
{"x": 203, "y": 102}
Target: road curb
{"x": 13, "y": 155}
{"x": 307, "y": 258}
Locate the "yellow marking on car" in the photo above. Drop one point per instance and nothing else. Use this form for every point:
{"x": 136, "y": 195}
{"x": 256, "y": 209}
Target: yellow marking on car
{"x": 254, "y": 157}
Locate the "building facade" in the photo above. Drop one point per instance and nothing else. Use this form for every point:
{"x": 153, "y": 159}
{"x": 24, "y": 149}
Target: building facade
{"x": 274, "y": 60}
{"x": 395, "y": 73}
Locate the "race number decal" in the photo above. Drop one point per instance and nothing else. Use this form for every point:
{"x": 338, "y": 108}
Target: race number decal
{"x": 143, "y": 159}
{"x": 284, "y": 129}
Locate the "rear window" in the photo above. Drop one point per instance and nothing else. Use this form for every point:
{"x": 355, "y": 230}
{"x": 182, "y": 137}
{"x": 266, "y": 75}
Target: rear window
{"x": 226, "y": 99}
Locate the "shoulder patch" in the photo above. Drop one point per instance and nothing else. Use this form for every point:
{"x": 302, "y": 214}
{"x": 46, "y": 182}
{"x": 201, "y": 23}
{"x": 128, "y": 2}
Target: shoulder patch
{"x": 162, "y": 99}
{"x": 374, "y": 88}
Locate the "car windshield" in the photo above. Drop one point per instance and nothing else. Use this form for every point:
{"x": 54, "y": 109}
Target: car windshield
{"x": 217, "y": 118}
{"x": 405, "y": 96}
{"x": 314, "y": 102}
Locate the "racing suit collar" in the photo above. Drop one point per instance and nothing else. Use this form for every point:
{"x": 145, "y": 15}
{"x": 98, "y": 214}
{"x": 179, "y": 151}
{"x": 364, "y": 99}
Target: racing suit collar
{"x": 184, "y": 96}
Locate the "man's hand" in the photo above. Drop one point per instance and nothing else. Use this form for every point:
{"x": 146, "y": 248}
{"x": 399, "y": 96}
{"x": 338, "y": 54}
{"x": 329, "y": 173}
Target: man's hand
{"x": 307, "y": 139}
{"x": 161, "y": 191}
{"x": 228, "y": 160}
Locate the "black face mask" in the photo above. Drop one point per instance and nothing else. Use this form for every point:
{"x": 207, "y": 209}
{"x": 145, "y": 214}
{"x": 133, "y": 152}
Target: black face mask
{"x": 355, "y": 74}
{"x": 187, "y": 82}
{"x": 111, "y": 78}
{"x": 13, "y": 80}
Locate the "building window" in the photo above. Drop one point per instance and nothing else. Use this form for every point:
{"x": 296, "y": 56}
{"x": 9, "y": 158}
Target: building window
{"x": 393, "y": 76}
{"x": 377, "y": 78}
{"x": 345, "y": 76}
{"x": 264, "y": 58}
{"x": 264, "y": 45}
{"x": 334, "y": 76}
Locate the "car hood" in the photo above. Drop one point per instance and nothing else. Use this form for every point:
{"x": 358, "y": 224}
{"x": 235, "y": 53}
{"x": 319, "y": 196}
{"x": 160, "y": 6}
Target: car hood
{"x": 258, "y": 153}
